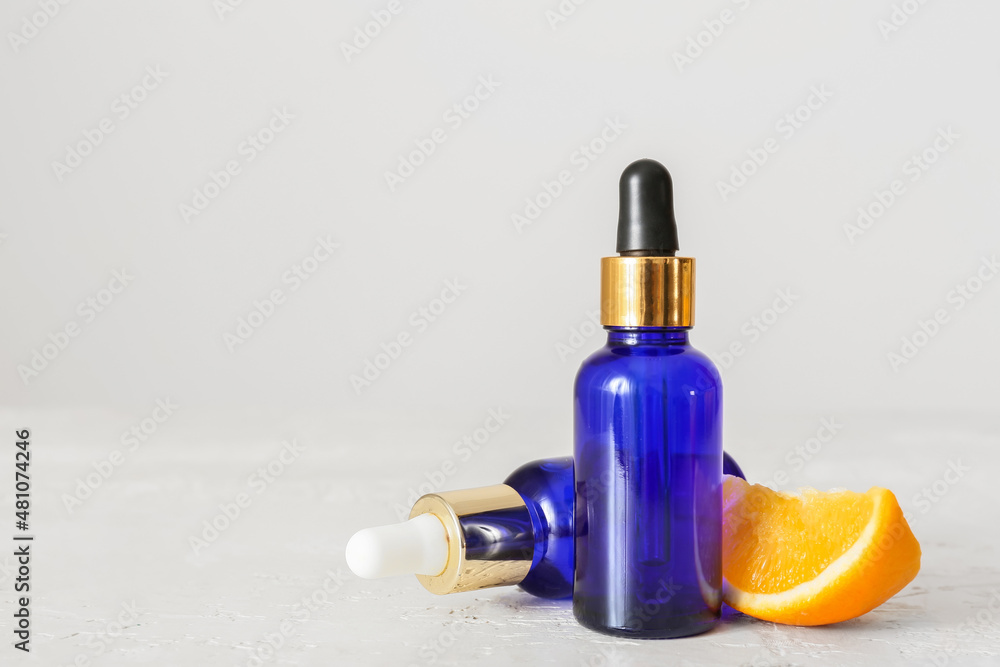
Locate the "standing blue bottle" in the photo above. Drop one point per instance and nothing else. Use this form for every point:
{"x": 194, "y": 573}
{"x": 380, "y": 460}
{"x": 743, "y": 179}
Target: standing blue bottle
{"x": 648, "y": 437}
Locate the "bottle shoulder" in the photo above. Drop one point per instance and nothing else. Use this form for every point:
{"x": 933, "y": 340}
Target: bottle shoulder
{"x": 536, "y": 479}
{"x": 611, "y": 362}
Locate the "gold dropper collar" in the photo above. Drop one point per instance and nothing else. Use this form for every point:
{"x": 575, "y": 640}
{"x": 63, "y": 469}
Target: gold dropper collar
{"x": 647, "y": 292}
{"x": 490, "y": 541}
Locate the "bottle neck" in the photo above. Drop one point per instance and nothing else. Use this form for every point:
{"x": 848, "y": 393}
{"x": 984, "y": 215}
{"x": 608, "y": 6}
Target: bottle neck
{"x": 490, "y": 538}
{"x": 647, "y": 335}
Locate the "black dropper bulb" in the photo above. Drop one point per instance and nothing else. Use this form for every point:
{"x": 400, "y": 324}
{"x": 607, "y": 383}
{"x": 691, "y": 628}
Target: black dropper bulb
{"x": 646, "y": 224}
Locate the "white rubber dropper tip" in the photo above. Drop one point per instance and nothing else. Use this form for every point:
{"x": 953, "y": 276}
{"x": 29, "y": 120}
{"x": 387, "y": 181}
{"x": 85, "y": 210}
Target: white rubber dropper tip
{"x": 417, "y": 546}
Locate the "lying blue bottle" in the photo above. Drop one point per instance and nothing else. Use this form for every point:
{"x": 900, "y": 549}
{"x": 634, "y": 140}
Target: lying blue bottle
{"x": 519, "y": 532}
{"x": 648, "y": 437}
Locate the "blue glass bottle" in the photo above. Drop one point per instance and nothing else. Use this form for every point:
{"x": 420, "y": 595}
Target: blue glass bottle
{"x": 547, "y": 487}
{"x": 648, "y": 438}
{"x": 648, "y": 484}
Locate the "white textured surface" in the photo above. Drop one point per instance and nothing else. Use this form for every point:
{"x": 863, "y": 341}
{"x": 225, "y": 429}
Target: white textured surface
{"x": 129, "y": 543}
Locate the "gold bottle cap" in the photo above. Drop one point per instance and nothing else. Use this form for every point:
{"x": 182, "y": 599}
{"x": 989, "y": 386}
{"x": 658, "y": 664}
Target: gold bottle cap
{"x": 490, "y": 538}
{"x": 647, "y": 292}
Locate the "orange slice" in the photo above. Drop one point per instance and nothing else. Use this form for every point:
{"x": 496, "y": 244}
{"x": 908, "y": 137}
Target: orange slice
{"x": 812, "y": 558}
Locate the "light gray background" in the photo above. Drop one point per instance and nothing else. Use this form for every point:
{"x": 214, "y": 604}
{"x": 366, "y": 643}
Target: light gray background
{"x": 519, "y": 329}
